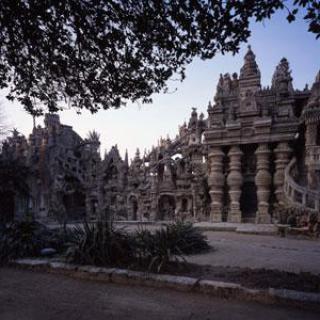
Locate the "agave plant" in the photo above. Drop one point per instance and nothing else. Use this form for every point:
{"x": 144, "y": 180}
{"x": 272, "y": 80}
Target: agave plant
{"x": 99, "y": 244}
{"x": 188, "y": 239}
{"x": 167, "y": 245}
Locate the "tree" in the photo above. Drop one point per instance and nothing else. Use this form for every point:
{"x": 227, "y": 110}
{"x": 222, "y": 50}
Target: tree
{"x": 13, "y": 182}
{"x": 99, "y": 54}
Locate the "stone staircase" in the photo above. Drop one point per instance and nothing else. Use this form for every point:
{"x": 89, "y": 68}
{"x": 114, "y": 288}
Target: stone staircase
{"x": 298, "y": 195}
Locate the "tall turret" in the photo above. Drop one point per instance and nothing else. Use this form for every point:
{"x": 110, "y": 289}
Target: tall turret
{"x": 311, "y": 114}
{"x": 52, "y": 121}
{"x": 250, "y": 69}
{"x": 282, "y": 80}
{"x": 249, "y": 83}
{"x": 126, "y": 159}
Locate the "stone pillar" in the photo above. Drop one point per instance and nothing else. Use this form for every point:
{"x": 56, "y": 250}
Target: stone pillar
{"x": 154, "y": 207}
{"x": 311, "y": 142}
{"x": 153, "y": 196}
{"x": 89, "y": 213}
{"x": 216, "y": 183}
{"x": 235, "y": 181}
{"x": 311, "y": 134}
{"x": 282, "y": 153}
{"x": 263, "y": 182}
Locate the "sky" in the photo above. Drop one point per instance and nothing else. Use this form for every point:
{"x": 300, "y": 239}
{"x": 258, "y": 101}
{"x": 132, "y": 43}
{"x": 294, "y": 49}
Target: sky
{"x": 141, "y": 126}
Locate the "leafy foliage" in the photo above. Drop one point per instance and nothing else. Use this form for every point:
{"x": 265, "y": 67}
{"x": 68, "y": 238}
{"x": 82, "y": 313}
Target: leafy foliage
{"x": 26, "y": 239}
{"x": 99, "y": 53}
{"x": 156, "y": 250}
{"x": 100, "y": 244}
{"x": 168, "y": 244}
{"x": 13, "y": 175}
{"x": 13, "y": 181}
{"x": 189, "y": 239}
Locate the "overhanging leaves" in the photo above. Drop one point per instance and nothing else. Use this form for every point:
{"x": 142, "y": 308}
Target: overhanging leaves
{"x": 99, "y": 54}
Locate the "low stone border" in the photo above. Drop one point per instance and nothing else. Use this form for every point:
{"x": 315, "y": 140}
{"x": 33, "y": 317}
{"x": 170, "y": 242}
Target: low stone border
{"x": 245, "y": 228}
{"x": 224, "y": 290}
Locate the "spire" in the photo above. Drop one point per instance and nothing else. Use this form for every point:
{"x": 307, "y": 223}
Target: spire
{"x": 126, "y": 159}
{"x": 219, "y": 91}
{"x": 312, "y": 111}
{"x": 137, "y": 155}
{"x": 249, "y": 84}
{"x": 282, "y": 80}
{"x": 250, "y": 67}
{"x": 315, "y": 90}
{"x": 317, "y": 77}
{"x": 193, "y": 119}
{"x": 34, "y": 121}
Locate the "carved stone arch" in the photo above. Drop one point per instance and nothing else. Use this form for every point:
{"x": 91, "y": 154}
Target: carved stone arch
{"x": 166, "y": 207}
{"x": 133, "y": 207}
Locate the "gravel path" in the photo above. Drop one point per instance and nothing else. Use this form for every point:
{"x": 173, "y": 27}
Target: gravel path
{"x": 258, "y": 251}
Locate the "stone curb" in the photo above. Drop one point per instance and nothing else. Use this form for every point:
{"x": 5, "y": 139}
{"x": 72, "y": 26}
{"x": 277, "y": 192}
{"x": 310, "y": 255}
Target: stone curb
{"x": 269, "y": 229}
{"x": 219, "y": 289}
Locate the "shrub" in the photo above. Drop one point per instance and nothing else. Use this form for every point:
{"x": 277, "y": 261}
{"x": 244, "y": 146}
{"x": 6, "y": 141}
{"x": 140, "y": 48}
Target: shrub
{"x": 188, "y": 239}
{"x": 99, "y": 244}
{"x": 169, "y": 244}
{"x": 26, "y": 239}
{"x": 156, "y": 249}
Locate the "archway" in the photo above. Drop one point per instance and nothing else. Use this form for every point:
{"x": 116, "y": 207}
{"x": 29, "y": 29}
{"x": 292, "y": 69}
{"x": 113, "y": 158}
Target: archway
{"x": 75, "y": 206}
{"x": 133, "y": 208}
{"x": 166, "y": 207}
{"x": 184, "y": 205}
{"x": 248, "y": 201}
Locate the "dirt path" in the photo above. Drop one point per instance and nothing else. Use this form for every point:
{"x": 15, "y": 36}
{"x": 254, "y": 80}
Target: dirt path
{"x": 26, "y": 295}
{"x": 258, "y": 251}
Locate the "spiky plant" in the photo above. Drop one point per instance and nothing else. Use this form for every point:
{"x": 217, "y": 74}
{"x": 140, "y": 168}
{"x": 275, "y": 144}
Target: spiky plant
{"x": 98, "y": 244}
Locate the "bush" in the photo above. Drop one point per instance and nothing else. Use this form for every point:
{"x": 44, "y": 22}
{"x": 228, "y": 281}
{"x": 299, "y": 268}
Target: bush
{"x": 188, "y": 239}
{"x": 168, "y": 244}
{"x": 99, "y": 244}
{"x": 26, "y": 239}
{"x": 156, "y": 250}
{"x": 102, "y": 245}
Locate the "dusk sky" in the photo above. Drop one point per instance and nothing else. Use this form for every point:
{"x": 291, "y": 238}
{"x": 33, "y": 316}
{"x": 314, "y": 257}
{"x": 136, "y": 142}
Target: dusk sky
{"x": 142, "y": 125}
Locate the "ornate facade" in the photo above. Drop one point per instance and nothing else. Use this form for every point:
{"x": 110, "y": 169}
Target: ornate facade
{"x": 256, "y": 152}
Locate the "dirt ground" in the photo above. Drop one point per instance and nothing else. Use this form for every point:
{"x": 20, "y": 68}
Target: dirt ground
{"x": 251, "y": 278}
{"x": 26, "y": 295}
{"x": 259, "y": 251}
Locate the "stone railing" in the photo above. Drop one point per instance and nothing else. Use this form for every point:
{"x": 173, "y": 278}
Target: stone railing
{"x": 297, "y": 195}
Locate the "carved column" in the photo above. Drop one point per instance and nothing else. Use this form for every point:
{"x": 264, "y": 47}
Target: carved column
{"x": 282, "y": 153}
{"x": 89, "y": 208}
{"x": 263, "y": 182}
{"x": 216, "y": 183}
{"x": 153, "y": 197}
{"x": 311, "y": 141}
{"x": 234, "y": 181}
